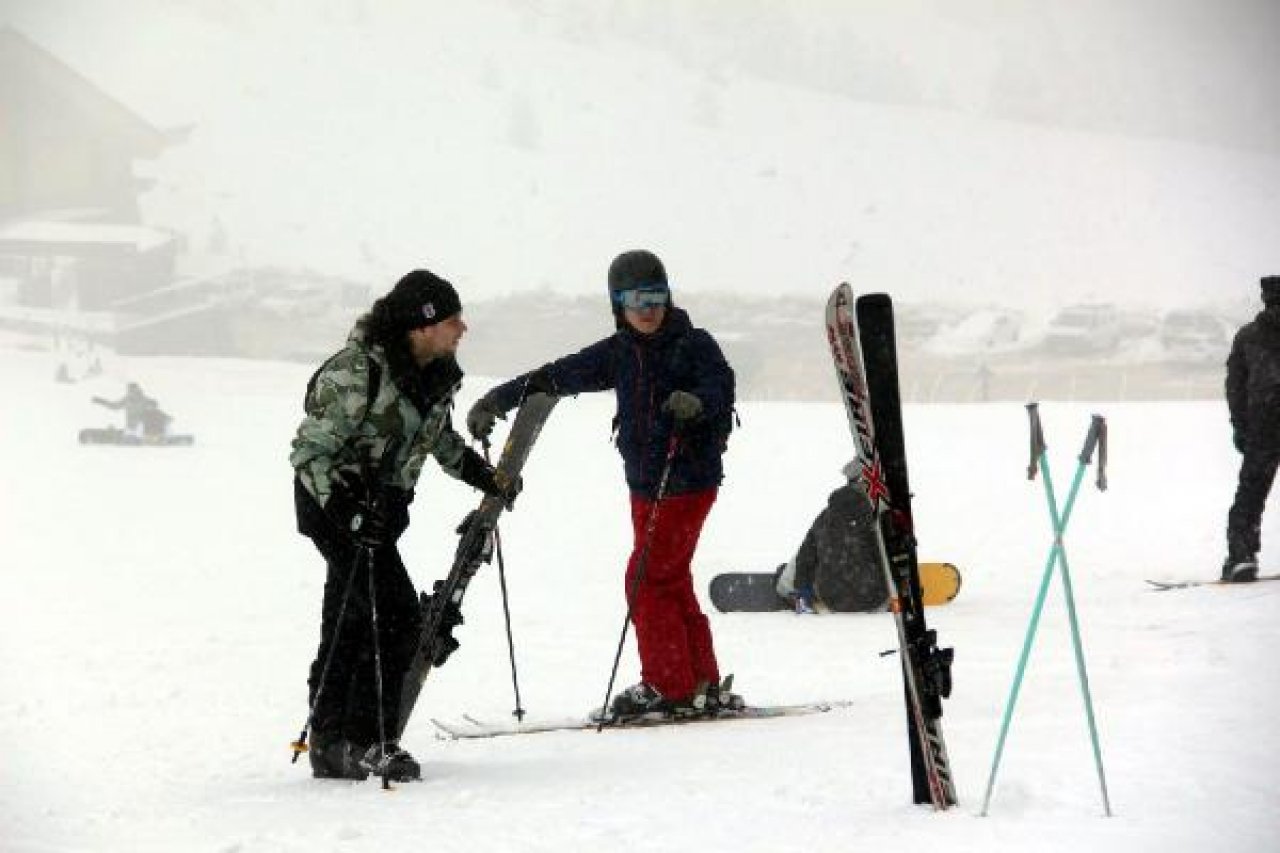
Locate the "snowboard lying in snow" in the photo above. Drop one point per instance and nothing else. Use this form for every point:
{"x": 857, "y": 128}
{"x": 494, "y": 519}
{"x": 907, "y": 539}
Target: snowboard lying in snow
{"x": 469, "y": 727}
{"x": 117, "y": 436}
{"x": 754, "y": 592}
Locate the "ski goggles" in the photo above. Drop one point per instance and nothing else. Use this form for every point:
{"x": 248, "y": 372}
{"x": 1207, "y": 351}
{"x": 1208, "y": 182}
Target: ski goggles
{"x": 641, "y": 298}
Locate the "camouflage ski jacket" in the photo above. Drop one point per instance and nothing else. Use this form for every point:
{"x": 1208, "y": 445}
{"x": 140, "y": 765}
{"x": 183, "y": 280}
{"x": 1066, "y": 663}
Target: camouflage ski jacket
{"x": 377, "y": 420}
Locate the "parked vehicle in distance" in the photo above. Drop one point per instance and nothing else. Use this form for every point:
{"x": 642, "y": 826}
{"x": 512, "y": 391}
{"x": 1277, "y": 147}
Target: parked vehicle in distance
{"x": 980, "y": 331}
{"x": 1194, "y": 335}
{"x": 1084, "y": 329}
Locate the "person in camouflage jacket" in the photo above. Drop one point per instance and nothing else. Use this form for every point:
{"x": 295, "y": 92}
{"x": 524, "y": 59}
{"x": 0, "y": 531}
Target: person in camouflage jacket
{"x": 375, "y": 411}
{"x": 1253, "y": 399}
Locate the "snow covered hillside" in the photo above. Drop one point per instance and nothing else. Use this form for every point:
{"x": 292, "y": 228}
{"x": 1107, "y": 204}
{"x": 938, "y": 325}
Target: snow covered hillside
{"x": 158, "y": 613}
{"x": 510, "y": 146}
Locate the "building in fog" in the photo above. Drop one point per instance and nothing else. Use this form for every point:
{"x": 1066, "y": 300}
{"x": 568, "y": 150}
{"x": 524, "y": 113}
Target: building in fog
{"x": 75, "y": 257}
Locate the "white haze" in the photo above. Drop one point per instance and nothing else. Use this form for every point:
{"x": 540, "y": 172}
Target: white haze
{"x": 1020, "y": 153}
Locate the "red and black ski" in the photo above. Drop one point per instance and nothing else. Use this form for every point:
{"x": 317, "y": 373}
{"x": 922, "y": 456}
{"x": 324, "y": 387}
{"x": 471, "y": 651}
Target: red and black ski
{"x": 864, "y": 351}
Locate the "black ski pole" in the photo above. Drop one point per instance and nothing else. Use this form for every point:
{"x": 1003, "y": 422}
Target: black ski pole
{"x": 300, "y": 745}
{"x": 518, "y": 713}
{"x": 377, "y": 669}
{"x": 642, "y": 563}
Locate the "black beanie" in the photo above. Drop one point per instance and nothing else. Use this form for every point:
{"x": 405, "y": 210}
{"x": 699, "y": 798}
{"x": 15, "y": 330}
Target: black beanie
{"x": 637, "y": 268}
{"x": 1271, "y": 289}
{"x": 421, "y": 299}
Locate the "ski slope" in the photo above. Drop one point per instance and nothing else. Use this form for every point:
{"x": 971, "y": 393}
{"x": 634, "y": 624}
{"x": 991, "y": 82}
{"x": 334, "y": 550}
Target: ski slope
{"x": 158, "y": 614}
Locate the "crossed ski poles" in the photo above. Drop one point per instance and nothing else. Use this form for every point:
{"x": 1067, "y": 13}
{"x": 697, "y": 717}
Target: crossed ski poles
{"x": 1096, "y": 439}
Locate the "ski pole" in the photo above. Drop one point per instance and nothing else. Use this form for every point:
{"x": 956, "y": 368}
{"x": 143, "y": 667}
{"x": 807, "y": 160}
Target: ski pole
{"x": 642, "y": 563}
{"x": 300, "y": 745}
{"x": 1097, "y": 437}
{"x": 518, "y": 713}
{"x": 377, "y": 670}
{"x": 1097, "y": 432}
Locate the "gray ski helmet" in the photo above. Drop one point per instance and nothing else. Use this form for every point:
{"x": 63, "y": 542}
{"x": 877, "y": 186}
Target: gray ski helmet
{"x": 636, "y": 268}
{"x": 1271, "y": 289}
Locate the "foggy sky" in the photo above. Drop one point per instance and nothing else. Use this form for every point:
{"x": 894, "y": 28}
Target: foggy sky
{"x": 934, "y": 146}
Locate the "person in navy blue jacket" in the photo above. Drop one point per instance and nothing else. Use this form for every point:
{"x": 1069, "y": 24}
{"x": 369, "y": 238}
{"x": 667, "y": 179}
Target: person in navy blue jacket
{"x": 675, "y": 395}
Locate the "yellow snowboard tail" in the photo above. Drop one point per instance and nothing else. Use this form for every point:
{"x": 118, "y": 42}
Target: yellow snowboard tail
{"x": 939, "y": 583}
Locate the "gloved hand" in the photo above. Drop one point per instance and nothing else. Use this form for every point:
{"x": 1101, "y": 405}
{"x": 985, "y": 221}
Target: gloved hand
{"x": 540, "y": 382}
{"x": 479, "y": 474}
{"x": 683, "y": 406}
{"x": 353, "y": 513}
{"x": 481, "y": 418}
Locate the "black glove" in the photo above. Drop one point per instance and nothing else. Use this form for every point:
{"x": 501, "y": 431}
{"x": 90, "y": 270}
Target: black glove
{"x": 480, "y": 420}
{"x": 683, "y": 406}
{"x": 354, "y": 514}
{"x": 479, "y": 474}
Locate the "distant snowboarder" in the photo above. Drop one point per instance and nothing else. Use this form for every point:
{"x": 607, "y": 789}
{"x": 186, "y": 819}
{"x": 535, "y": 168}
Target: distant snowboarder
{"x": 1253, "y": 398}
{"x": 143, "y": 417}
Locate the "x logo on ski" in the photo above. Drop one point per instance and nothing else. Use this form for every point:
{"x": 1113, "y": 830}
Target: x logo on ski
{"x": 873, "y": 476}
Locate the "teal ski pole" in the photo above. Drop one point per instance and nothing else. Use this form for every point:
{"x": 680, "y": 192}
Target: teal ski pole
{"x": 1095, "y": 438}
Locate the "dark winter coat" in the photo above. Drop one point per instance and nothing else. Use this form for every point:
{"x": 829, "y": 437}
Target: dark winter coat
{"x": 839, "y": 558}
{"x": 643, "y": 370}
{"x": 373, "y": 418}
{"x": 1253, "y": 380}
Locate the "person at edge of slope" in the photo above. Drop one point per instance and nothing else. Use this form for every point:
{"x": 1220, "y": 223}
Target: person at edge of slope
{"x": 1253, "y": 400}
{"x": 675, "y": 397}
{"x": 374, "y": 411}
{"x": 143, "y": 417}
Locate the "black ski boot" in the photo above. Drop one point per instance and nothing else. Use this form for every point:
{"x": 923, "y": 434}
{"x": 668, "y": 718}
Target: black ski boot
{"x": 720, "y": 698}
{"x": 638, "y": 700}
{"x": 391, "y": 762}
{"x": 1239, "y": 571}
{"x": 335, "y": 757}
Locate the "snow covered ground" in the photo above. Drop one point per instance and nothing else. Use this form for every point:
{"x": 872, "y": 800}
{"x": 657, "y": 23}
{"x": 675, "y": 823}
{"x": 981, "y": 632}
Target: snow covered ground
{"x": 158, "y": 613}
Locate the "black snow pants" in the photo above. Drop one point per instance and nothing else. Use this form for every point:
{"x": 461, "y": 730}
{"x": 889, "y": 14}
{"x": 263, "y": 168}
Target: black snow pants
{"x": 1244, "y": 521}
{"x": 348, "y": 703}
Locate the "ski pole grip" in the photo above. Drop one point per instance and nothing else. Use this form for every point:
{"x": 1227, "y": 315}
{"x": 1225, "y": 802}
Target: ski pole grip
{"x": 1096, "y": 426}
{"x": 1037, "y": 439}
{"x": 1097, "y": 437}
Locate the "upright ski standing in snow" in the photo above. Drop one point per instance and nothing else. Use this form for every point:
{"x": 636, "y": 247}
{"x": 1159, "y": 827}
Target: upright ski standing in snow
{"x": 866, "y": 363}
{"x": 441, "y": 610}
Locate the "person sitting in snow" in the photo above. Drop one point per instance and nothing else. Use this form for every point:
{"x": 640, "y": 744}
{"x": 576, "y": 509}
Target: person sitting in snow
{"x": 837, "y": 564}
{"x": 675, "y": 395}
{"x": 1253, "y": 400}
{"x": 143, "y": 417}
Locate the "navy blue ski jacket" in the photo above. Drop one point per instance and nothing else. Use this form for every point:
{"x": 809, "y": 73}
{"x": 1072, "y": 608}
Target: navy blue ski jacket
{"x": 643, "y": 370}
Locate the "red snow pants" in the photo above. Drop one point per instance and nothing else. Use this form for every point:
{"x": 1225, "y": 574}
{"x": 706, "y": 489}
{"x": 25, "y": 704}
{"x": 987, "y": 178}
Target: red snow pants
{"x": 673, "y": 635}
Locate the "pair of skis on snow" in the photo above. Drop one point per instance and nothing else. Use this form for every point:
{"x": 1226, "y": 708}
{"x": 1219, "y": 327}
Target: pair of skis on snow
{"x": 864, "y": 351}
{"x": 863, "y": 343}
